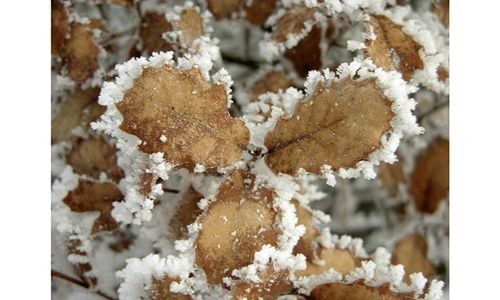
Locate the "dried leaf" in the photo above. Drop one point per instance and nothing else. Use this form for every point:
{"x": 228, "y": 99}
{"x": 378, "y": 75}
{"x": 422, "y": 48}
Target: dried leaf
{"x": 59, "y": 26}
{"x": 442, "y": 74}
{"x": 442, "y": 11}
{"x": 429, "y": 181}
{"x": 305, "y": 244}
{"x": 79, "y": 109}
{"x": 272, "y": 81}
{"x": 356, "y": 291}
{"x": 258, "y": 11}
{"x": 342, "y": 261}
{"x": 160, "y": 290}
{"x": 74, "y": 247}
{"x": 190, "y": 112}
{"x": 92, "y": 196}
{"x": 393, "y": 49}
{"x": 236, "y": 225}
{"x": 292, "y": 22}
{"x": 190, "y": 25}
{"x": 273, "y": 284}
{"x": 80, "y": 52}
{"x": 411, "y": 252}
{"x": 152, "y": 27}
{"x": 391, "y": 175}
{"x": 339, "y": 125}
{"x": 306, "y": 55}
{"x": 223, "y": 9}
{"x": 93, "y": 156}
{"x": 186, "y": 213}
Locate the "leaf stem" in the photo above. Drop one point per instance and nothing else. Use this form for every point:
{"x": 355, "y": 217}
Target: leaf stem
{"x": 57, "y": 274}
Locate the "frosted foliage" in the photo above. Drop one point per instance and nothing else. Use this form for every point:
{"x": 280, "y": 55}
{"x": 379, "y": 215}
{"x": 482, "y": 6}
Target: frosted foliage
{"x": 241, "y": 149}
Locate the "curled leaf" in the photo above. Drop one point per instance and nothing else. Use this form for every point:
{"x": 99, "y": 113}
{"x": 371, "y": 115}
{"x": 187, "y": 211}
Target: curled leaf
{"x": 236, "y": 225}
{"x": 94, "y": 156}
{"x": 411, "y": 252}
{"x": 92, "y": 196}
{"x": 429, "y": 181}
{"x": 182, "y": 115}
{"x": 339, "y": 125}
{"x": 393, "y": 49}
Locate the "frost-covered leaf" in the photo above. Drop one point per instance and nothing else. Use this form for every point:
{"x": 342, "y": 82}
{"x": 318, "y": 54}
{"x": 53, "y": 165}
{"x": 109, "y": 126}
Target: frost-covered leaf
{"x": 292, "y": 22}
{"x": 223, "y": 9}
{"x": 305, "y": 244}
{"x": 151, "y": 30}
{"x": 83, "y": 267}
{"x": 79, "y": 109}
{"x": 306, "y": 55}
{"x": 191, "y": 26}
{"x": 411, "y": 252}
{"x": 160, "y": 290}
{"x": 59, "y": 26}
{"x": 92, "y": 156}
{"x": 273, "y": 284}
{"x": 342, "y": 261}
{"x": 392, "y": 48}
{"x": 391, "y": 176}
{"x": 340, "y": 124}
{"x": 356, "y": 291}
{"x": 257, "y": 12}
{"x": 182, "y": 115}
{"x": 429, "y": 181}
{"x": 272, "y": 81}
{"x": 93, "y": 196}
{"x": 236, "y": 225}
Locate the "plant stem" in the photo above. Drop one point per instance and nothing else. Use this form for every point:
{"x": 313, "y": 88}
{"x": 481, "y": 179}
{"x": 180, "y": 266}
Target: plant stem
{"x": 83, "y": 284}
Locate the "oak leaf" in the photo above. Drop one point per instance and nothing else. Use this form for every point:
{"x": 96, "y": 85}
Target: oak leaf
{"x": 272, "y": 81}
{"x": 59, "y": 26}
{"x": 429, "y": 181}
{"x": 292, "y": 22}
{"x": 191, "y": 26}
{"x": 160, "y": 290}
{"x": 92, "y": 196}
{"x": 339, "y": 125}
{"x": 306, "y": 55}
{"x": 83, "y": 268}
{"x": 273, "y": 284}
{"x": 236, "y": 225}
{"x": 305, "y": 244}
{"x": 393, "y": 49}
{"x": 223, "y": 9}
{"x": 342, "y": 261}
{"x": 411, "y": 252}
{"x": 257, "y": 12}
{"x": 356, "y": 291}
{"x": 182, "y": 115}
{"x": 391, "y": 176}
{"x": 185, "y": 213}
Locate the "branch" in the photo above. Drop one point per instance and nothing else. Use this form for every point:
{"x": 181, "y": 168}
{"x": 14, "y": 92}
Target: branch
{"x": 83, "y": 284}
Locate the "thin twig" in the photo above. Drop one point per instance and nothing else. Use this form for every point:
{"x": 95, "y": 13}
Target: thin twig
{"x": 241, "y": 61}
{"x": 171, "y": 191}
{"x": 433, "y": 110}
{"x": 83, "y": 284}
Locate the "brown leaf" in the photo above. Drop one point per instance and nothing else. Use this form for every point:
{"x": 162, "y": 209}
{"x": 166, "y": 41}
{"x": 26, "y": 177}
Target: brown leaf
{"x": 81, "y": 269}
{"x": 79, "y": 109}
{"x": 160, "y": 290}
{"x": 237, "y": 224}
{"x": 342, "y": 261}
{"x": 305, "y": 244}
{"x": 411, "y": 252}
{"x": 80, "y": 52}
{"x": 339, "y": 125}
{"x": 186, "y": 213}
{"x": 391, "y": 176}
{"x": 429, "y": 181}
{"x": 190, "y": 112}
{"x": 258, "y": 11}
{"x": 59, "y": 27}
{"x": 356, "y": 291}
{"x": 272, "y": 81}
{"x": 292, "y": 22}
{"x": 442, "y": 74}
{"x": 152, "y": 27}
{"x": 92, "y": 196}
{"x": 93, "y": 156}
{"x": 306, "y": 55}
{"x": 273, "y": 284}
{"x": 442, "y": 11}
{"x": 223, "y": 9}
{"x": 190, "y": 25}
{"x": 392, "y": 42}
